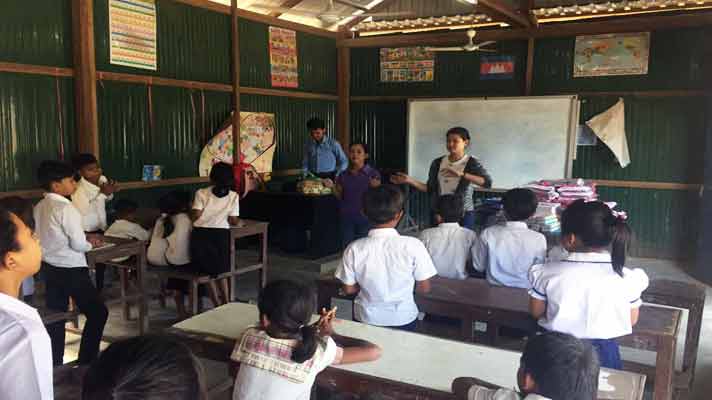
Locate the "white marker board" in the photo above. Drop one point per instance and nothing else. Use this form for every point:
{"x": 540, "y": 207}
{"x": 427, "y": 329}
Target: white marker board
{"x": 517, "y": 139}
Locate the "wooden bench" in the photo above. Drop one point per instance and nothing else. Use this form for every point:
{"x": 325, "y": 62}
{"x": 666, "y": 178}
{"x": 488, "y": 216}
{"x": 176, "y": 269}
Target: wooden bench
{"x": 474, "y": 301}
{"x": 246, "y": 228}
{"x": 400, "y": 373}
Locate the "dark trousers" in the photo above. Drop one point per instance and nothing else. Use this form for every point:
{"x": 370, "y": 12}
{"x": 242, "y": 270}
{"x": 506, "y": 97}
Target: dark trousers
{"x": 99, "y": 272}
{"x": 352, "y": 229}
{"x": 63, "y": 283}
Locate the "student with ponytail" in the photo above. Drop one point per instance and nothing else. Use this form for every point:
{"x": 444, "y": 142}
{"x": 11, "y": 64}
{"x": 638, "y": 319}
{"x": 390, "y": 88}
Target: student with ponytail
{"x": 280, "y": 358}
{"x": 590, "y": 294}
{"x": 215, "y": 209}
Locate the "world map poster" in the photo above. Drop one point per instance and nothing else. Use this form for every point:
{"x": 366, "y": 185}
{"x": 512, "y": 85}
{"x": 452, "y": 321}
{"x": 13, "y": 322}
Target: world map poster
{"x": 613, "y": 54}
{"x": 257, "y": 144}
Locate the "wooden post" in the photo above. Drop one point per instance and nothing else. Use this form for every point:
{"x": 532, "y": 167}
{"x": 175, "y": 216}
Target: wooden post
{"x": 530, "y": 68}
{"x": 85, "y": 75}
{"x": 343, "y": 113}
{"x": 235, "y": 84}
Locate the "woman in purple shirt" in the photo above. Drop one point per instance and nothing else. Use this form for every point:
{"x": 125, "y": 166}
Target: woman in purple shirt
{"x": 349, "y": 188}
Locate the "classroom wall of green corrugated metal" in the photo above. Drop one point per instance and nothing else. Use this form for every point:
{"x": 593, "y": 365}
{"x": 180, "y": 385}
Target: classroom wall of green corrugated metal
{"x": 36, "y": 112}
{"x": 665, "y": 134}
{"x": 138, "y": 124}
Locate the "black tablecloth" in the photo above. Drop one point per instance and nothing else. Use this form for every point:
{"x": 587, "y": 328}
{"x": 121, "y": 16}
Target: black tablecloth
{"x": 291, "y": 215}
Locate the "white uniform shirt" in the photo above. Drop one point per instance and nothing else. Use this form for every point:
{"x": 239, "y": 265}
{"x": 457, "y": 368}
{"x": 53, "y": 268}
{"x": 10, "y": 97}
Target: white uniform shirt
{"x": 91, "y": 204}
{"x": 585, "y": 297}
{"x": 215, "y": 209}
{"x": 259, "y": 384}
{"x": 124, "y": 229}
{"x": 58, "y": 224}
{"x": 449, "y": 246}
{"x": 25, "y": 352}
{"x": 507, "y": 251}
{"x": 386, "y": 266}
{"x": 483, "y": 393}
{"x": 448, "y": 184}
{"x": 174, "y": 249}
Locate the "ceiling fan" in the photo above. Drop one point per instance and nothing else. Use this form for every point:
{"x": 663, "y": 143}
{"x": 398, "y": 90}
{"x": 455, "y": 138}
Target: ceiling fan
{"x": 329, "y": 15}
{"x": 469, "y": 46}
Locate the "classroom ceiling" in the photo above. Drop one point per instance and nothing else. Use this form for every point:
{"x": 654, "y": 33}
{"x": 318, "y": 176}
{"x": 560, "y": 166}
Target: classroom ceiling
{"x": 406, "y": 16}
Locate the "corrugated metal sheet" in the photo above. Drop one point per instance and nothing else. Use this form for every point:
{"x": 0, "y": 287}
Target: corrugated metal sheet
{"x": 34, "y": 111}
{"x": 174, "y": 138}
{"x": 149, "y": 197}
{"x": 665, "y": 137}
{"x": 456, "y": 74}
{"x": 36, "y": 32}
{"x": 677, "y": 61}
{"x": 193, "y": 43}
{"x": 291, "y": 116}
{"x": 382, "y": 126}
{"x": 316, "y": 59}
{"x": 665, "y": 223}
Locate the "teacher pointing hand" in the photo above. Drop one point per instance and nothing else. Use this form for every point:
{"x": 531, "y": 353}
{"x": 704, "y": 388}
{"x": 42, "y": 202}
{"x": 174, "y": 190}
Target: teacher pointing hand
{"x": 455, "y": 173}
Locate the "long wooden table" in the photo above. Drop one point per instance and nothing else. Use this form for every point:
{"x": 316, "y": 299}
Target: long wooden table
{"x": 483, "y": 309}
{"x": 412, "y": 365}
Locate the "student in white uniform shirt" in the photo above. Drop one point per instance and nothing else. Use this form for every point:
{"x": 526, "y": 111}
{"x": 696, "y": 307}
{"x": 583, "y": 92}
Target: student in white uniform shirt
{"x": 64, "y": 247}
{"x": 25, "y": 350}
{"x": 384, "y": 267}
{"x": 215, "y": 209}
{"x": 449, "y": 244}
{"x": 23, "y": 209}
{"x": 125, "y": 226}
{"x": 280, "y": 358}
{"x": 590, "y": 294}
{"x": 554, "y": 366}
{"x": 507, "y": 251}
{"x": 170, "y": 243}
{"x": 93, "y": 191}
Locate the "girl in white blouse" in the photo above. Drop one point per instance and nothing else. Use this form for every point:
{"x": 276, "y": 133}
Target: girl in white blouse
{"x": 589, "y": 294}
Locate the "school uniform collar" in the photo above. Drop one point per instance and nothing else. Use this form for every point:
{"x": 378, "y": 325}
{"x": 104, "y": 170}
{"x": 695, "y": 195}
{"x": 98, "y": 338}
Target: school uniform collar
{"x": 16, "y": 306}
{"x": 57, "y": 197}
{"x": 88, "y": 185}
{"x": 517, "y": 224}
{"x": 595, "y": 258}
{"x": 383, "y": 232}
{"x": 449, "y": 225}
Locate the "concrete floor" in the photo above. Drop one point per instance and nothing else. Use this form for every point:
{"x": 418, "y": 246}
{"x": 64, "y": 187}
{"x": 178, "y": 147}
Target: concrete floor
{"x": 295, "y": 268}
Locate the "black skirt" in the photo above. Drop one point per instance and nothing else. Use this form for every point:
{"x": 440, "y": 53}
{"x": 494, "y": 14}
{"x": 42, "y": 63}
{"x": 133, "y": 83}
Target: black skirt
{"x": 210, "y": 250}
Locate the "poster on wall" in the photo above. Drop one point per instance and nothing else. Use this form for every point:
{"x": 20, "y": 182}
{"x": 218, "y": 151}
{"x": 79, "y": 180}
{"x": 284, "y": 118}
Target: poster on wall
{"x": 496, "y": 67}
{"x": 407, "y": 64}
{"x": 132, "y": 33}
{"x": 613, "y": 54}
{"x": 257, "y": 143}
{"x": 283, "y": 57}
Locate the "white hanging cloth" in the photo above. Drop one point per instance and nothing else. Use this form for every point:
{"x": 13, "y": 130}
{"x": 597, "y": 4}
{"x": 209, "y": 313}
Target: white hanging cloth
{"x": 609, "y": 126}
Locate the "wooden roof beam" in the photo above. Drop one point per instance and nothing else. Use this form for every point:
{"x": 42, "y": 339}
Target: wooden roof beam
{"x": 377, "y": 8}
{"x": 285, "y": 4}
{"x": 502, "y": 12}
{"x": 564, "y": 29}
{"x": 526, "y": 9}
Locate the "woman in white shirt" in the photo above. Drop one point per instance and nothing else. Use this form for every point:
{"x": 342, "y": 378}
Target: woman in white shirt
{"x": 215, "y": 208}
{"x": 456, "y": 173}
{"x": 170, "y": 242}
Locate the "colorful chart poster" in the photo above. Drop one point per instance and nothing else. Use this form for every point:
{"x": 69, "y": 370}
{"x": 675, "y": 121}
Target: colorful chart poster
{"x": 283, "y": 57}
{"x": 496, "y": 67}
{"x": 132, "y": 33}
{"x": 613, "y": 54}
{"x": 407, "y": 64}
{"x": 257, "y": 143}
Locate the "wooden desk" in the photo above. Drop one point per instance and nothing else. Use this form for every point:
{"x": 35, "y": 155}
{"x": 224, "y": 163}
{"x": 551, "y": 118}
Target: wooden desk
{"x": 126, "y": 248}
{"x": 475, "y": 300}
{"x": 411, "y": 365}
{"x": 247, "y": 228}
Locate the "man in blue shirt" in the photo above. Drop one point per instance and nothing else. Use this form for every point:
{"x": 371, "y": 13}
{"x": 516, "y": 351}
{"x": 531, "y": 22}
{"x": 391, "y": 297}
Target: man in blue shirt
{"x": 323, "y": 156}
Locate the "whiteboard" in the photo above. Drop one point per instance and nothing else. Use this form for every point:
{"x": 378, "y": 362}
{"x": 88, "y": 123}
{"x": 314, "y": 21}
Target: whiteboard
{"x": 517, "y": 139}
